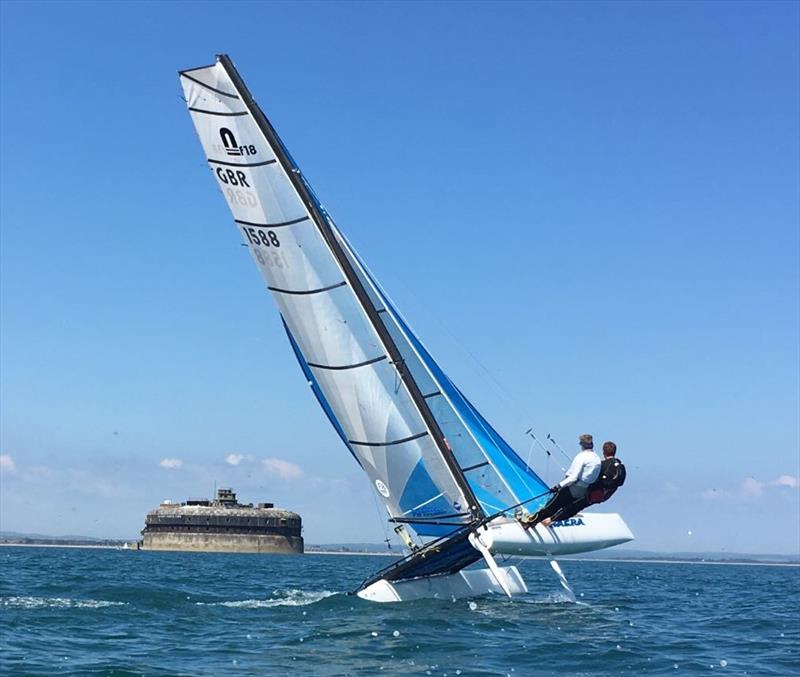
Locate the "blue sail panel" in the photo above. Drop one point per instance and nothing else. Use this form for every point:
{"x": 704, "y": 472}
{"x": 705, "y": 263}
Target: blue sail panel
{"x": 420, "y": 500}
{"x": 498, "y": 477}
{"x": 522, "y": 480}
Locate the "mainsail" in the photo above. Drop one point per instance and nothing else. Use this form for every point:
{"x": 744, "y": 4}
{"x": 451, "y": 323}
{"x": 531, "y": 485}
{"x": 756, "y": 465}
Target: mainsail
{"x": 434, "y": 461}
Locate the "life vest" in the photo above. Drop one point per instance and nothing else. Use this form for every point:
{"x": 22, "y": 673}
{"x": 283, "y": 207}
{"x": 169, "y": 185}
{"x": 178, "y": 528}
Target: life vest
{"x": 612, "y": 476}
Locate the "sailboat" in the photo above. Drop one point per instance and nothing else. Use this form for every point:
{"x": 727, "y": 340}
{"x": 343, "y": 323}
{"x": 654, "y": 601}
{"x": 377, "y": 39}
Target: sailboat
{"x": 445, "y": 476}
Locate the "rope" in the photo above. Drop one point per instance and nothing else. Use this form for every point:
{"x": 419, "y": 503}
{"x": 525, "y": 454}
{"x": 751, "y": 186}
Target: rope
{"x": 489, "y": 518}
{"x": 387, "y": 538}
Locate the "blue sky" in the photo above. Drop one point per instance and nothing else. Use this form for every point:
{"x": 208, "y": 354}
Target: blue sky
{"x": 589, "y": 212}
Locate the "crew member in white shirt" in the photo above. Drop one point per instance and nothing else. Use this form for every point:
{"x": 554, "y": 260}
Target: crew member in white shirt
{"x": 583, "y": 471}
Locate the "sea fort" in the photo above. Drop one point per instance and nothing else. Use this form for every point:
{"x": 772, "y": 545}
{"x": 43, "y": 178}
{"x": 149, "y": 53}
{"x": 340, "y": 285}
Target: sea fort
{"x": 222, "y": 525}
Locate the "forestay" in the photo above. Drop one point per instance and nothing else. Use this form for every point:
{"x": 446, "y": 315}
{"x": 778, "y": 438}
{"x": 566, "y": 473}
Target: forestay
{"x": 434, "y": 461}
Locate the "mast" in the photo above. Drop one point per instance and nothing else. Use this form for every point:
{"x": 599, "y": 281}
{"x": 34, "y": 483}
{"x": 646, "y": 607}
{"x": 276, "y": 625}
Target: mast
{"x": 321, "y": 222}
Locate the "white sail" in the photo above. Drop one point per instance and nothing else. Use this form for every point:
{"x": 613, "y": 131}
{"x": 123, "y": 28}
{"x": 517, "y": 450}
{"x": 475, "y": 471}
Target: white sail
{"x": 348, "y": 357}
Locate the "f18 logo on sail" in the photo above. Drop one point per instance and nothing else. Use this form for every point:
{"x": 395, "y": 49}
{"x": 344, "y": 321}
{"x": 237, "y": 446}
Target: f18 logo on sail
{"x": 233, "y": 148}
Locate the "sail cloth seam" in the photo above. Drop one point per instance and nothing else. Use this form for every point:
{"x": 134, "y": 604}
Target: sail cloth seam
{"x": 203, "y": 84}
{"x": 326, "y": 230}
{"x": 215, "y": 112}
{"x": 424, "y": 503}
{"x": 475, "y": 467}
{"x": 513, "y": 466}
{"x": 243, "y": 164}
{"x": 196, "y": 68}
{"x": 389, "y": 444}
{"x": 346, "y": 366}
{"x": 312, "y": 381}
{"x": 493, "y": 436}
{"x": 401, "y": 326}
{"x": 279, "y": 224}
{"x": 308, "y": 291}
{"x": 429, "y": 519}
{"x": 413, "y": 520}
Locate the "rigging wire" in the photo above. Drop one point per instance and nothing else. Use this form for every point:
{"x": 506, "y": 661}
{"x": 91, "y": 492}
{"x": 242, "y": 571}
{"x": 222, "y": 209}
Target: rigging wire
{"x": 500, "y": 389}
{"x": 536, "y": 440}
{"x": 487, "y": 375}
{"x": 530, "y": 453}
{"x": 552, "y": 441}
{"x": 386, "y": 537}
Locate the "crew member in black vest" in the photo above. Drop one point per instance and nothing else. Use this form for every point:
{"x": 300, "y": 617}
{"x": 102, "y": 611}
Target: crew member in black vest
{"x": 612, "y": 477}
{"x": 581, "y": 474}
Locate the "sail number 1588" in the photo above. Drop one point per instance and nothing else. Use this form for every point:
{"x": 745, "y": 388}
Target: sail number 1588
{"x": 266, "y": 238}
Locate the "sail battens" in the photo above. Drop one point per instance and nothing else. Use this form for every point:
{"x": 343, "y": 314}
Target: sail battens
{"x": 243, "y": 164}
{"x": 506, "y": 478}
{"x": 376, "y": 404}
{"x": 389, "y": 444}
{"x": 432, "y": 394}
{"x": 423, "y": 520}
{"x": 347, "y": 366}
{"x": 475, "y": 467}
{"x": 423, "y": 504}
{"x": 303, "y": 292}
{"x": 217, "y": 112}
{"x": 416, "y": 522}
{"x": 203, "y": 84}
{"x": 278, "y": 224}
{"x": 196, "y": 68}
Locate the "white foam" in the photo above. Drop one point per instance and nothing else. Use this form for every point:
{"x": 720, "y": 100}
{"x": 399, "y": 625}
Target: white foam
{"x": 558, "y": 597}
{"x": 56, "y": 603}
{"x": 285, "y": 598}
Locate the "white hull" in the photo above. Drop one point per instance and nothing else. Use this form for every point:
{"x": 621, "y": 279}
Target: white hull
{"x": 462, "y": 584}
{"x": 583, "y": 533}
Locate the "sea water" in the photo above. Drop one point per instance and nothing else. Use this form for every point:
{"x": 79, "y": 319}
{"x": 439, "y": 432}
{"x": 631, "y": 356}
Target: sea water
{"x": 108, "y": 612}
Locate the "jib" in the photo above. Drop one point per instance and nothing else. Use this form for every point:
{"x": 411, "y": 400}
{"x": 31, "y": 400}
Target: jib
{"x": 232, "y": 178}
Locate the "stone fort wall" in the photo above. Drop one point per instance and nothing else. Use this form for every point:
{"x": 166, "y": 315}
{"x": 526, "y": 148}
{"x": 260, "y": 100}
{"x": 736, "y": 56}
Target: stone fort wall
{"x": 217, "y": 542}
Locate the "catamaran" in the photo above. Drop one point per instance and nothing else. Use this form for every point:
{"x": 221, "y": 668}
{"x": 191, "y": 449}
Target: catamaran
{"x": 444, "y": 474}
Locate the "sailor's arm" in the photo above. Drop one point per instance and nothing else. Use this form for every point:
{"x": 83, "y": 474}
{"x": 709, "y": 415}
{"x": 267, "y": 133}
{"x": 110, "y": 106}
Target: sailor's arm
{"x": 573, "y": 472}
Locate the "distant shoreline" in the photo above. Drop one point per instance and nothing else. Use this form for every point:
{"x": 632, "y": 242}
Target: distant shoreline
{"x": 88, "y": 546}
{"x": 569, "y": 558}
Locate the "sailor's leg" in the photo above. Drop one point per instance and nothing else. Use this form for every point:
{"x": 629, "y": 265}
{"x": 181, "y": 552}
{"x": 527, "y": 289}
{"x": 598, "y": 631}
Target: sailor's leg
{"x": 570, "y": 510}
{"x": 562, "y": 499}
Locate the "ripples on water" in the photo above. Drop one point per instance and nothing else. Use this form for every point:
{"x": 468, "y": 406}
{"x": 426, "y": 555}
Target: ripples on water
{"x": 106, "y": 612}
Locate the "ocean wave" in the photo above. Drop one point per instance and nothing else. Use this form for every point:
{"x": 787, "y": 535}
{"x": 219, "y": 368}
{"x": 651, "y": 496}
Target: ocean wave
{"x": 552, "y": 598}
{"x": 283, "y": 598}
{"x": 56, "y": 603}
